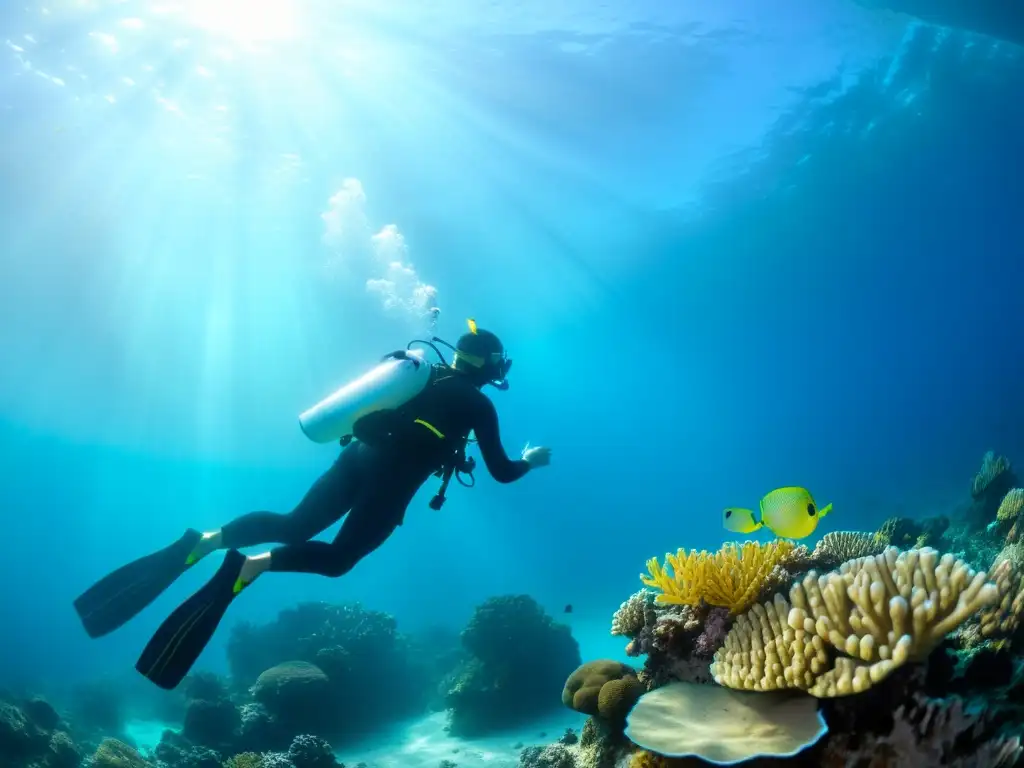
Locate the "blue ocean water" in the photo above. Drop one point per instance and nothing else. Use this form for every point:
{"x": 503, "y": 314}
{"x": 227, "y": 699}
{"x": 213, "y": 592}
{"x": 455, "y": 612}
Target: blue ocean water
{"x": 729, "y": 248}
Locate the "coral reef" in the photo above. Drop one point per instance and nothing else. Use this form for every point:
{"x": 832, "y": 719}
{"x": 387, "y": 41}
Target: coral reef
{"x": 734, "y": 577}
{"x": 876, "y": 613}
{"x": 212, "y": 723}
{"x": 311, "y": 752}
{"x": 115, "y": 754}
{"x": 176, "y": 751}
{"x": 32, "y": 735}
{"x": 551, "y": 756}
{"x": 296, "y": 694}
{"x": 516, "y": 655}
{"x": 334, "y": 670}
{"x": 600, "y": 745}
{"x": 907, "y": 640}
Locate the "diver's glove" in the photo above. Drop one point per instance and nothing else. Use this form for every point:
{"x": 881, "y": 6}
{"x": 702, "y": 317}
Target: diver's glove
{"x": 536, "y": 457}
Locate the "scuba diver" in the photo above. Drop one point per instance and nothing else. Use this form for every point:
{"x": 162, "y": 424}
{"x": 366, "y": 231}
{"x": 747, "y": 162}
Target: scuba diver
{"x": 389, "y": 454}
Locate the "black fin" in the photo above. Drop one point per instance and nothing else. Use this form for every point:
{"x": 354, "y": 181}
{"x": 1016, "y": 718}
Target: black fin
{"x": 120, "y": 596}
{"x": 179, "y": 641}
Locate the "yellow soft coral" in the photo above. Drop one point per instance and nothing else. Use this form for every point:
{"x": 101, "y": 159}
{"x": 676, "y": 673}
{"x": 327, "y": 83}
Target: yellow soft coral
{"x": 684, "y": 584}
{"x": 739, "y": 573}
{"x": 732, "y": 578}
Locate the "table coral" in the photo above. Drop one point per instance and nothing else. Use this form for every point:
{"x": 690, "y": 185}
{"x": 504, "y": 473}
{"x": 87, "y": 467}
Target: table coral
{"x": 724, "y": 726}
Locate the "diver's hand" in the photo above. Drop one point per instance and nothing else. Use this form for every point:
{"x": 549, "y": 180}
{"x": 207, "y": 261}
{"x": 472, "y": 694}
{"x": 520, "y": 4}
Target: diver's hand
{"x": 536, "y": 457}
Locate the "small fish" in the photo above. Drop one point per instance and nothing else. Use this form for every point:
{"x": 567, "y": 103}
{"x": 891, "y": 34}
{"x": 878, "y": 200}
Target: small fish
{"x": 739, "y": 520}
{"x": 568, "y": 608}
{"x": 787, "y": 512}
{"x": 791, "y": 512}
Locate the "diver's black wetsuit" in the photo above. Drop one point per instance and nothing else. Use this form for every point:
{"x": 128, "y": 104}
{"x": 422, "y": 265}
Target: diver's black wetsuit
{"x": 373, "y": 482}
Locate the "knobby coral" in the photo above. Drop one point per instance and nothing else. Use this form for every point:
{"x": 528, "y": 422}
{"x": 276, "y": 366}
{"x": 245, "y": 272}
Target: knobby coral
{"x": 1003, "y": 618}
{"x": 733, "y": 578}
{"x": 603, "y": 688}
{"x": 876, "y": 614}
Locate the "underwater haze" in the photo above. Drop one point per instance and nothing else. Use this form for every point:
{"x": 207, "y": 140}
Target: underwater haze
{"x": 730, "y": 247}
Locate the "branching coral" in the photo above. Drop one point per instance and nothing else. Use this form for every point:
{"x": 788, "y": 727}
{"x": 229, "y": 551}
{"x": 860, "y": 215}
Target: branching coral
{"x": 877, "y": 613}
{"x": 732, "y": 578}
{"x": 634, "y": 614}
